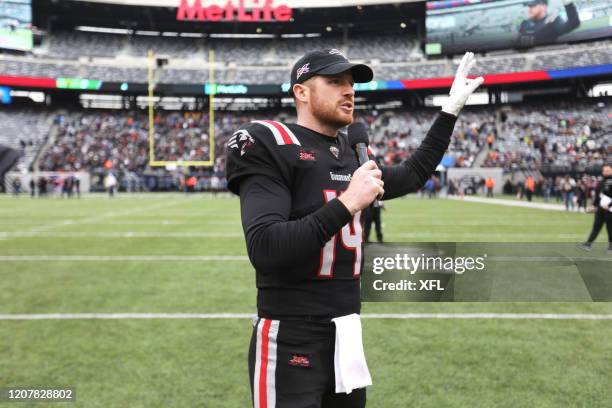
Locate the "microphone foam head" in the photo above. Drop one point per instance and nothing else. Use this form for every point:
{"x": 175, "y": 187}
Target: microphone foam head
{"x": 357, "y": 133}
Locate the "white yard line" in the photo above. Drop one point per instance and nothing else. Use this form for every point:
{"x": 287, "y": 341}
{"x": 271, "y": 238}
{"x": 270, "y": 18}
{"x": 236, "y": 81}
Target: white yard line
{"x": 509, "y": 203}
{"x": 233, "y": 258}
{"x": 125, "y": 234}
{"x": 110, "y": 214}
{"x": 478, "y": 236}
{"x": 123, "y": 316}
{"x": 129, "y": 258}
{"x": 512, "y": 316}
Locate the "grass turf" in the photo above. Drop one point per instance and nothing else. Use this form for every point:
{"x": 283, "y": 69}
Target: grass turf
{"x": 202, "y": 363}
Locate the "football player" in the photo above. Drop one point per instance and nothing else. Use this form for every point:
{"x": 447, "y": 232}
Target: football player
{"x": 302, "y": 192}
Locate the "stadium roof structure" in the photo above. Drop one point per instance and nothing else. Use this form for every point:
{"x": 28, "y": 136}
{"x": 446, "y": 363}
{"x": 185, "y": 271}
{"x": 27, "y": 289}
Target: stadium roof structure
{"x": 163, "y": 15}
{"x": 290, "y": 3}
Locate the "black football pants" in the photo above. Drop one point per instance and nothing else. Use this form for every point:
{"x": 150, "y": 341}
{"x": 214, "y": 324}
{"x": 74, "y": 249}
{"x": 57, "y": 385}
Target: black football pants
{"x": 601, "y": 216}
{"x": 291, "y": 365}
{"x": 372, "y": 215}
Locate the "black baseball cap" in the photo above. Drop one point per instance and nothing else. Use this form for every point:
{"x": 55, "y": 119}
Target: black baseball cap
{"x": 536, "y": 2}
{"x": 327, "y": 62}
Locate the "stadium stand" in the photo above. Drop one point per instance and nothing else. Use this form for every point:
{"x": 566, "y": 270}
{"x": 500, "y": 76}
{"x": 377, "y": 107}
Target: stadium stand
{"x": 506, "y": 64}
{"x": 67, "y": 45}
{"x": 25, "y": 130}
{"x": 421, "y": 70}
{"x": 184, "y": 76}
{"x": 34, "y": 68}
{"x": 109, "y": 73}
{"x": 525, "y": 136}
{"x": 86, "y": 140}
{"x": 81, "y": 54}
{"x": 594, "y": 55}
{"x": 557, "y": 134}
{"x": 397, "y": 133}
{"x": 181, "y": 47}
{"x": 397, "y": 48}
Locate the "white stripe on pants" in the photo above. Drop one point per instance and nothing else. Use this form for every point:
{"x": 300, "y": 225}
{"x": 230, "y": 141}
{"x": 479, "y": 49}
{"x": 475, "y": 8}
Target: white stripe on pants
{"x": 264, "y": 379}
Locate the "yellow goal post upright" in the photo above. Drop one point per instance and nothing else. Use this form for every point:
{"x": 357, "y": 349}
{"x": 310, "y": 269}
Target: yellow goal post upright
{"x": 211, "y": 118}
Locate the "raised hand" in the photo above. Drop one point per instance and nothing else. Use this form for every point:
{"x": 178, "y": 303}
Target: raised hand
{"x": 462, "y": 86}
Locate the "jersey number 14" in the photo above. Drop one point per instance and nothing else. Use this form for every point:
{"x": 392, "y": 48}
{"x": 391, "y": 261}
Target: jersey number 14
{"x": 351, "y": 238}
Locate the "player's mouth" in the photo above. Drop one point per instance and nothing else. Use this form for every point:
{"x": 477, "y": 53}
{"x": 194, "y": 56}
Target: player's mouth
{"x": 347, "y": 107}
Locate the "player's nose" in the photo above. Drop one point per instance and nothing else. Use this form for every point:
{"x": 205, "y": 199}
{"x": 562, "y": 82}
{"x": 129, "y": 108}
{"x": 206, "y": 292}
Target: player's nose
{"x": 348, "y": 90}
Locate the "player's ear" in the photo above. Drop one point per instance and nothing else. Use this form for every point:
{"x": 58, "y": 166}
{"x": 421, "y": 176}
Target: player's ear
{"x": 300, "y": 92}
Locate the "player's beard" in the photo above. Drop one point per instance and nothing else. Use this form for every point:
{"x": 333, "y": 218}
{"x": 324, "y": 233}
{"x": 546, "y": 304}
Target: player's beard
{"x": 329, "y": 113}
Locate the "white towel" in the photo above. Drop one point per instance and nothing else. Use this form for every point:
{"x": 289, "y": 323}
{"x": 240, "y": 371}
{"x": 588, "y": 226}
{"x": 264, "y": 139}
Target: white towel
{"x": 350, "y": 365}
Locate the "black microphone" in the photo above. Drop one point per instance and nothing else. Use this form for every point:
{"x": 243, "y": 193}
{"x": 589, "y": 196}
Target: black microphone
{"x": 358, "y": 139}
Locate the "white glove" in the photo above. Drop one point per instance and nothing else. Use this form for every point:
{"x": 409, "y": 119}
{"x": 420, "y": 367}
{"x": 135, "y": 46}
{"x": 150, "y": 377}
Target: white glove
{"x": 462, "y": 86}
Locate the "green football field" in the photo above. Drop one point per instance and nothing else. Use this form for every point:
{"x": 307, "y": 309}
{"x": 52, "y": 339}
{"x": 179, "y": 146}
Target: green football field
{"x": 155, "y": 254}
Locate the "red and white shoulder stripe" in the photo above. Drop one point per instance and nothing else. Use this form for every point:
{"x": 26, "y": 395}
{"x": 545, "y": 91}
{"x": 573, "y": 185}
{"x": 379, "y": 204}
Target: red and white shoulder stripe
{"x": 282, "y": 134}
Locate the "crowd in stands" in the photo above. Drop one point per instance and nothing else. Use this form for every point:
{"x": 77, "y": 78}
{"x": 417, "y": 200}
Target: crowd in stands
{"x": 514, "y": 137}
{"x": 121, "y": 57}
{"x": 570, "y": 58}
{"x": 118, "y": 142}
{"x": 25, "y": 130}
{"x": 561, "y": 134}
{"x": 397, "y": 133}
{"x": 33, "y": 68}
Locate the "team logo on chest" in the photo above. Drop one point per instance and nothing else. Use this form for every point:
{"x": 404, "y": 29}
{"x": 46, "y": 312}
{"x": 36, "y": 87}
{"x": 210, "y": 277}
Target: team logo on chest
{"x": 335, "y": 151}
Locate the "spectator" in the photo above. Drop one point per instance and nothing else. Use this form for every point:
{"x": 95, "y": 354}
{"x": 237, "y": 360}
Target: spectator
{"x": 568, "y": 186}
{"x": 490, "y": 184}
{"x": 32, "y": 187}
{"x": 110, "y": 182}
{"x": 490, "y": 139}
{"x": 16, "y": 186}
{"x": 529, "y": 187}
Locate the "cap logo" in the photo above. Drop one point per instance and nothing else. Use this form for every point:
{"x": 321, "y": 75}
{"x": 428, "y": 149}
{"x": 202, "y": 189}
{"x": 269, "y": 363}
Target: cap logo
{"x": 302, "y": 70}
{"x": 335, "y": 51}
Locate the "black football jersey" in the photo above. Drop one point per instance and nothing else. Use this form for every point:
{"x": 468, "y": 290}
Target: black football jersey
{"x": 316, "y": 169}
{"x": 306, "y": 247}
{"x": 603, "y": 187}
